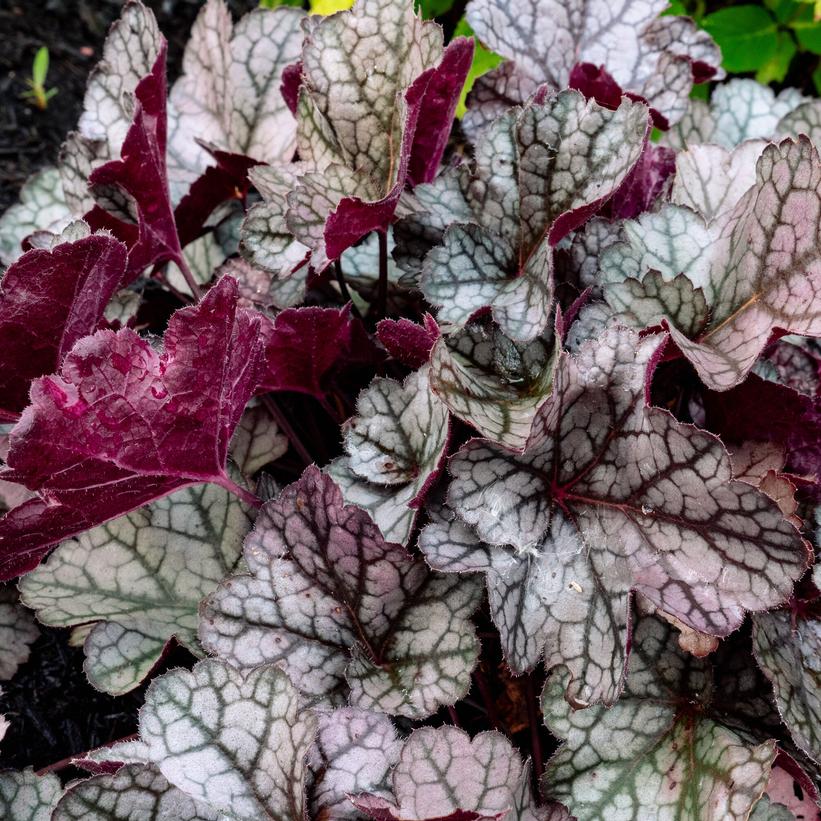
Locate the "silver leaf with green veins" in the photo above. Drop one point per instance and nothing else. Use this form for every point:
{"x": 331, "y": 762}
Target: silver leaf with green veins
{"x": 18, "y": 631}
{"x": 235, "y": 741}
{"x": 25, "y": 796}
{"x": 662, "y": 751}
{"x": 141, "y": 579}
{"x": 133, "y": 793}
{"x": 395, "y": 444}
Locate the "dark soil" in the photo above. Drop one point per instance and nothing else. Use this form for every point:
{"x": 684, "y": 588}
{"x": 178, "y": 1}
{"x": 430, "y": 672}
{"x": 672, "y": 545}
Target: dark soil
{"x": 73, "y": 31}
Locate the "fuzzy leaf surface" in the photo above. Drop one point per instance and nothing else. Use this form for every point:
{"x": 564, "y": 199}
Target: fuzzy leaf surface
{"x": 342, "y": 609}
{"x": 625, "y": 497}
{"x": 135, "y": 792}
{"x": 18, "y": 630}
{"x": 235, "y": 741}
{"x": 27, "y": 796}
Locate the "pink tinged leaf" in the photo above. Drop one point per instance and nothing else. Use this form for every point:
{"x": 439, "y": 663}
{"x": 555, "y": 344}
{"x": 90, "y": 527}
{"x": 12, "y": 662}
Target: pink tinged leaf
{"x": 345, "y": 613}
{"x": 141, "y": 174}
{"x": 444, "y": 775}
{"x": 408, "y": 342}
{"x": 437, "y": 110}
{"x": 626, "y": 498}
{"x": 305, "y": 348}
{"x": 120, "y": 424}
{"x": 48, "y": 300}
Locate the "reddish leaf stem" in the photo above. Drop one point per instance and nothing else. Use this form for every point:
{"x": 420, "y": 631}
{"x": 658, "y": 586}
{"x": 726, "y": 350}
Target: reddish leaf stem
{"x": 68, "y": 761}
{"x": 245, "y": 495}
{"x": 189, "y": 277}
{"x": 382, "y": 290}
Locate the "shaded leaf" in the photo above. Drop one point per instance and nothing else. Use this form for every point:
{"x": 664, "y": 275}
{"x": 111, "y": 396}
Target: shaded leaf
{"x": 27, "y": 796}
{"x": 18, "y": 631}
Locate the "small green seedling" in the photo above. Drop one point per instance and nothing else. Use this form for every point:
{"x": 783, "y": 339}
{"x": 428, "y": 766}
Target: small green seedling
{"x": 37, "y": 82}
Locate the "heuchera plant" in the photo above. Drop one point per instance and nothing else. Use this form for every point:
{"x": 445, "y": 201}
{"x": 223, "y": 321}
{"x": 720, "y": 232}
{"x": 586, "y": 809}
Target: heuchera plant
{"x": 478, "y": 464}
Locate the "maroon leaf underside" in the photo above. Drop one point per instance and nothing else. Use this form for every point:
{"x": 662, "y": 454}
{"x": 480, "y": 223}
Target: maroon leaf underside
{"x": 381, "y": 810}
{"x": 121, "y": 425}
{"x": 432, "y": 95}
{"x": 305, "y": 348}
{"x": 141, "y": 173}
{"x": 289, "y": 87}
{"x": 227, "y": 180}
{"x": 597, "y": 83}
{"x": 649, "y": 181}
{"x": 49, "y": 300}
{"x": 408, "y": 342}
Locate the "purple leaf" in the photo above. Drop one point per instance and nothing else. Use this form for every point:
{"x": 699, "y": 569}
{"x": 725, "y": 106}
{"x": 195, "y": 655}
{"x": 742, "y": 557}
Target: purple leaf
{"x": 291, "y": 82}
{"x": 120, "y": 424}
{"x": 649, "y": 181}
{"x": 48, "y": 300}
{"x": 437, "y": 109}
{"x": 306, "y": 348}
{"x": 611, "y": 496}
{"x": 408, "y": 342}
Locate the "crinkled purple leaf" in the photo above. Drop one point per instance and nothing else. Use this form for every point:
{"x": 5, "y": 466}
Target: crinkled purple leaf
{"x": 675, "y": 755}
{"x": 395, "y": 447}
{"x": 49, "y": 300}
{"x": 739, "y": 110}
{"x": 787, "y": 646}
{"x": 305, "y": 348}
{"x": 626, "y": 498}
{"x": 229, "y": 92}
{"x": 354, "y": 753}
{"x": 133, "y": 792}
{"x": 235, "y": 741}
{"x": 492, "y": 382}
{"x": 525, "y": 203}
{"x": 444, "y": 774}
{"x": 179, "y": 411}
{"x": 408, "y": 342}
{"x": 42, "y": 205}
{"x": 655, "y": 57}
{"x": 139, "y": 579}
{"x": 342, "y": 610}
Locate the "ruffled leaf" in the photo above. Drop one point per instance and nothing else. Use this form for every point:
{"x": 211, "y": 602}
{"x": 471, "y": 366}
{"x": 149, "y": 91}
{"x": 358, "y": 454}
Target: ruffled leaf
{"x": 443, "y": 774}
{"x": 656, "y": 58}
{"x": 530, "y": 188}
{"x": 395, "y": 446}
{"x": 342, "y": 610}
{"x": 610, "y": 495}
{"x": 49, "y": 300}
{"x": 678, "y": 755}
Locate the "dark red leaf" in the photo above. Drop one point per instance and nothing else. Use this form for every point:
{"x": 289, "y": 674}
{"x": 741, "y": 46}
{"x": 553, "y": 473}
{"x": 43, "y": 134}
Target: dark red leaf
{"x": 408, "y": 342}
{"x": 48, "y": 300}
